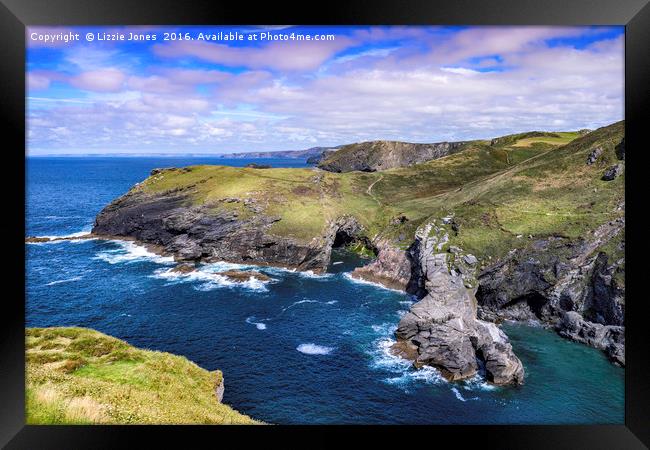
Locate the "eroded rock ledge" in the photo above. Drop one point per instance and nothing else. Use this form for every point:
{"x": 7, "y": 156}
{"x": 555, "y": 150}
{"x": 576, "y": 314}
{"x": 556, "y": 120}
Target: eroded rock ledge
{"x": 442, "y": 329}
{"x": 569, "y": 285}
{"x": 207, "y": 233}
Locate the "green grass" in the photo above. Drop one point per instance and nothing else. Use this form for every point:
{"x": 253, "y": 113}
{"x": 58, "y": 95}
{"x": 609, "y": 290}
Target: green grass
{"x": 81, "y": 376}
{"x": 562, "y": 138}
{"x": 526, "y": 184}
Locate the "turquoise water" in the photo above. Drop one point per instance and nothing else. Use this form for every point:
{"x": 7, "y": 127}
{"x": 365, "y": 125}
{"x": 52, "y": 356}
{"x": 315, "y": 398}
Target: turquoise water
{"x": 300, "y": 349}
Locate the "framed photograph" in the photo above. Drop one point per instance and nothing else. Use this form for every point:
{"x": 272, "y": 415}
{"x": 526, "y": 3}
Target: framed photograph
{"x": 385, "y": 214}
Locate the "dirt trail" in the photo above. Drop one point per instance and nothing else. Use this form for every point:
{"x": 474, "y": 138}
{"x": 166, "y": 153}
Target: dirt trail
{"x": 369, "y": 190}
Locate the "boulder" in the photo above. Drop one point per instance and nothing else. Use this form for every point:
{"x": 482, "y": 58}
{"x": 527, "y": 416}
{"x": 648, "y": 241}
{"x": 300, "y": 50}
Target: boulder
{"x": 241, "y": 276}
{"x": 593, "y": 156}
{"x": 620, "y": 150}
{"x": 613, "y": 172}
{"x": 392, "y": 268}
{"x": 184, "y": 268}
{"x": 470, "y": 259}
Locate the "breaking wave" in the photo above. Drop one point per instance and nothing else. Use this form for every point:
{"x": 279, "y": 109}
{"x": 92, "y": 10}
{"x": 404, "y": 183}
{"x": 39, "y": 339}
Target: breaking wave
{"x": 348, "y": 276}
{"x": 129, "y": 252}
{"x": 313, "y": 349}
{"x": 68, "y": 280}
{"x": 258, "y": 325}
{"x": 209, "y": 279}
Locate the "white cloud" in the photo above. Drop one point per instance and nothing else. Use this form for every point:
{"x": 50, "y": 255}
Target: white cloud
{"x": 401, "y": 94}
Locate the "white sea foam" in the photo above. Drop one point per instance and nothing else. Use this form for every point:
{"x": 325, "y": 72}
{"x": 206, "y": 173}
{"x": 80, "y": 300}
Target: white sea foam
{"x": 303, "y": 274}
{"x": 63, "y": 237}
{"x": 313, "y": 349}
{"x": 405, "y": 374}
{"x": 68, "y": 280}
{"x": 258, "y": 325}
{"x": 477, "y": 383}
{"x": 349, "y": 277}
{"x": 83, "y": 232}
{"x": 129, "y": 252}
{"x": 209, "y": 280}
{"x": 458, "y": 394}
{"x": 337, "y": 262}
{"x": 299, "y": 302}
{"x": 222, "y": 266}
{"x": 62, "y": 217}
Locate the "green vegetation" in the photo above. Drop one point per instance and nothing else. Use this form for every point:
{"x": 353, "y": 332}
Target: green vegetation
{"x": 81, "y": 376}
{"x": 499, "y": 192}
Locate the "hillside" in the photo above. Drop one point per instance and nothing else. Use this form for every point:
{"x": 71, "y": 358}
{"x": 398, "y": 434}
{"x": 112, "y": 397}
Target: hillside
{"x": 295, "y": 208}
{"x": 81, "y": 376}
{"x": 382, "y": 155}
{"x": 523, "y": 227}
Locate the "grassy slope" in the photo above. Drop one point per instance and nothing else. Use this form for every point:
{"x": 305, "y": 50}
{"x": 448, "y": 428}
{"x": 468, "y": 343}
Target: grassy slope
{"x": 553, "y": 193}
{"x": 81, "y": 376}
{"x": 520, "y": 185}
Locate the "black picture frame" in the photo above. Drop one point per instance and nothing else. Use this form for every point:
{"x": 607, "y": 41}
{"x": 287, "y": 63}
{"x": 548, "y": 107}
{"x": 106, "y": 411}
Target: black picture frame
{"x": 15, "y": 15}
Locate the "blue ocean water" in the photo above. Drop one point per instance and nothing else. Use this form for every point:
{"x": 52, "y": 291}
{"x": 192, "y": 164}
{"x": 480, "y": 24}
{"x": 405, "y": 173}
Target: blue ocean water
{"x": 302, "y": 349}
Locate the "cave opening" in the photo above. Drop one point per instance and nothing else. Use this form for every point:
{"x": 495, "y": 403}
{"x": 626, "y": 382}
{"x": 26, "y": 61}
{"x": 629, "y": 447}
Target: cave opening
{"x": 342, "y": 239}
{"x": 534, "y": 300}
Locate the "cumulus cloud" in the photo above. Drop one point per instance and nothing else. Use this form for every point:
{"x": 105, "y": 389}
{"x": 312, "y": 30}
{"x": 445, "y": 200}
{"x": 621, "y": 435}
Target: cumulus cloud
{"x": 404, "y": 83}
{"x": 279, "y": 55}
{"x": 103, "y": 80}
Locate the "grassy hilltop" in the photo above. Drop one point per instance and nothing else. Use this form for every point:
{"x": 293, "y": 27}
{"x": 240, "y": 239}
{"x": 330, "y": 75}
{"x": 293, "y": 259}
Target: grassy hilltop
{"x": 81, "y": 376}
{"x": 500, "y": 190}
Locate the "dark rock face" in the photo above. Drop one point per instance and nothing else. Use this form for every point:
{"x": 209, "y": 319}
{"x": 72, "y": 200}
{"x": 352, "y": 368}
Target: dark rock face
{"x": 382, "y": 155}
{"x": 554, "y": 276}
{"x": 612, "y": 172}
{"x": 442, "y": 329}
{"x": 620, "y": 150}
{"x": 393, "y": 268}
{"x": 606, "y": 298}
{"x": 593, "y": 156}
{"x": 318, "y": 158}
{"x": 200, "y": 233}
{"x": 609, "y": 338}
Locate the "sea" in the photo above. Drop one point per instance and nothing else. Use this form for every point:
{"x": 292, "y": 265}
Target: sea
{"x": 299, "y": 349}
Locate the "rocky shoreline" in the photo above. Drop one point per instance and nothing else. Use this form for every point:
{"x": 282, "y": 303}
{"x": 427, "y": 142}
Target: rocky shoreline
{"x": 567, "y": 285}
{"x": 453, "y": 325}
{"x": 571, "y": 278}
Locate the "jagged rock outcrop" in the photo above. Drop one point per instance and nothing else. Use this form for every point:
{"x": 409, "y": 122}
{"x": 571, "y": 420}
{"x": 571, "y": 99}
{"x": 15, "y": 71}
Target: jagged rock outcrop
{"x": 593, "y": 156}
{"x": 381, "y": 155}
{"x": 609, "y": 338}
{"x": 315, "y": 159}
{"x": 442, "y": 329}
{"x": 393, "y": 268}
{"x": 620, "y": 150}
{"x": 613, "y": 172}
{"x": 557, "y": 275}
{"x": 204, "y": 233}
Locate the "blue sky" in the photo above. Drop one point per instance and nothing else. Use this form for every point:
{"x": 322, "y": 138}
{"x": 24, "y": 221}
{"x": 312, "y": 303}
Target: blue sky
{"x": 417, "y": 84}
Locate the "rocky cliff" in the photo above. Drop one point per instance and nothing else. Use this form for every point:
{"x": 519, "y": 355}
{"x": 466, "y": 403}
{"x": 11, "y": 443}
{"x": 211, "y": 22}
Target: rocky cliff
{"x": 570, "y": 284}
{"x": 527, "y": 228}
{"x": 212, "y": 232}
{"x": 381, "y": 155}
{"x": 442, "y": 329}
